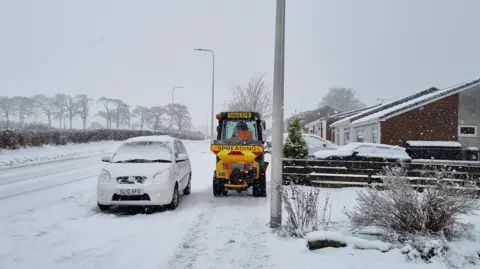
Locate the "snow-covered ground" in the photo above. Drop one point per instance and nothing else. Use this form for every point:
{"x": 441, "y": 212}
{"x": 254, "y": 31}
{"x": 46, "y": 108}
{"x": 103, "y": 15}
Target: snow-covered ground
{"x": 49, "y": 220}
{"x": 48, "y": 153}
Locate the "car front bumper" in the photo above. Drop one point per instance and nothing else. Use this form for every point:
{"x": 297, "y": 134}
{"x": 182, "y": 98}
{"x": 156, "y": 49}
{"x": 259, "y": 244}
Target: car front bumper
{"x": 152, "y": 194}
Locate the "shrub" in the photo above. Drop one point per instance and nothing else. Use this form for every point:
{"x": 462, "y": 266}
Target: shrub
{"x": 401, "y": 210}
{"x": 302, "y": 209}
{"x": 295, "y": 146}
{"x": 35, "y": 137}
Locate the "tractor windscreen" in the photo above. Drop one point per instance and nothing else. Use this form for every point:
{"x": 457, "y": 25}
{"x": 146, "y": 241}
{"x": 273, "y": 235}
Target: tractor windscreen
{"x": 244, "y": 129}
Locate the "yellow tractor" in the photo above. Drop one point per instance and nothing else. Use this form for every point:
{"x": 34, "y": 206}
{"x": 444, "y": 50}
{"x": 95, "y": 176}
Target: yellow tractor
{"x": 240, "y": 154}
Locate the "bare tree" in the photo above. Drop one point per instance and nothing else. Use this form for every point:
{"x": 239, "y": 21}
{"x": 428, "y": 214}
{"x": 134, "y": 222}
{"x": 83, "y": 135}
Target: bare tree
{"x": 179, "y": 116}
{"x": 72, "y": 107}
{"x": 120, "y": 112}
{"x": 103, "y": 114}
{"x": 106, "y": 102}
{"x": 8, "y": 108}
{"x": 343, "y": 99}
{"x": 24, "y": 107}
{"x": 156, "y": 113}
{"x": 46, "y": 104}
{"x": 84, "y": 104}
{"x": 143, "y": 114}
{"x": 254, "y": 96}
{"x": 60, "y": 107}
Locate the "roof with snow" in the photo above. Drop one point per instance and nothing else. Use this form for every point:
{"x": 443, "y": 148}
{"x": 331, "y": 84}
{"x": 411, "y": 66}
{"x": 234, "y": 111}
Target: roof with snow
{"x": 405, "y": 104}
{"x": 315, "y": 114}
{"x": 151, "y": 138}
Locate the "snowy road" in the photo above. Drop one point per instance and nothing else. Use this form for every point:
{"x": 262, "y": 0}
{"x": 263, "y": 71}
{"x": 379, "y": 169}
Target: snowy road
{"x": 49, "y": 220}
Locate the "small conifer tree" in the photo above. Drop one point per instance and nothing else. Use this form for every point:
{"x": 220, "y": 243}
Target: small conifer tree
{"x": 295, "y": 146}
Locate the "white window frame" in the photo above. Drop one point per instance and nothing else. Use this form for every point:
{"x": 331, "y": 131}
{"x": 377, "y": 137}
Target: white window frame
{"x": 467, "y": 135}
{"x": 364, "y": 130}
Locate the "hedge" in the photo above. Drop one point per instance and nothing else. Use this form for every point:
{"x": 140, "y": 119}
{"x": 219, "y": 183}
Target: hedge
{"x": 15, "y": 139}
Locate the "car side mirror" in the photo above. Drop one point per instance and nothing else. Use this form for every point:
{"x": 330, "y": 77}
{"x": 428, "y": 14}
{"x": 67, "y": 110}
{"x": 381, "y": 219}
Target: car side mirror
{"x": 355, "y": 153}
{"x": 264, "y": 124}
{"x": 106, "y": 158}
{"x": 182, "y": 157}
{"x": 324, "y": 145}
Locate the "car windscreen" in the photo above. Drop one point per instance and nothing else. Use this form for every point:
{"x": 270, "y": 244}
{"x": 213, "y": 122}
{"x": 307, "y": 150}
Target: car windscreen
{"x": 143, "y": 152}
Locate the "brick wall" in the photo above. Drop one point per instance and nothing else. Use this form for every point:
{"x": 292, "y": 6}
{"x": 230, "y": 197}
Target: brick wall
{"x": 434, "y": 121}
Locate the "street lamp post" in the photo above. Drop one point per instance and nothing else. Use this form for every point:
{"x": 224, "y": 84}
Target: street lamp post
{"x": 277, "y": 117}
{"x": 213, "y": 93}
{"x": 173, "y": 90}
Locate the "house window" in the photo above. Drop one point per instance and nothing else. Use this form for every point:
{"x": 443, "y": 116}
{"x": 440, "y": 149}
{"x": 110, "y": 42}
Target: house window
{"x": 375, "y": 134}
{"x": 361, "y": 134}
{"x": 467, "y": 131}
{"x": 346, "y": 133}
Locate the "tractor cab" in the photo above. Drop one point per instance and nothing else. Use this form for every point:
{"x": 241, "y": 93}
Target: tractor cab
{"x": 240, "y": 127}
{"x": 240, "y": 153}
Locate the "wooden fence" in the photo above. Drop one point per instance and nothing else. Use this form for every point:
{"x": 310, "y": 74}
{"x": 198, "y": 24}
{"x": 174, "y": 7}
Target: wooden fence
{"x": 338, "y": 174}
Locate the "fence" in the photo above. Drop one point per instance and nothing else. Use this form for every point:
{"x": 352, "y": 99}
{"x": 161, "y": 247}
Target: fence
{"x": 338, "y": 174}
{"x": 443, "y": 153}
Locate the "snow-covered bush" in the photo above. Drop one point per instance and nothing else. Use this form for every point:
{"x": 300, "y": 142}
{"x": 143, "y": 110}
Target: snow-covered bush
{"x": 295, "y": 147}
{"x": 303, "y": 211}
{"x": 400, "y": 209}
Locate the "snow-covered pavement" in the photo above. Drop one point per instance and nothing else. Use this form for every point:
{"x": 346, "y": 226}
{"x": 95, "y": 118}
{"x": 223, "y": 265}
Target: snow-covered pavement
{"x": 49, "y": 220}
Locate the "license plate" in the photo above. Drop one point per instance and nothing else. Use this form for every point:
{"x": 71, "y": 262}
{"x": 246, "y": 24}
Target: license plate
{"x": 130, "y": 191}
{"x": 239, "y": 115}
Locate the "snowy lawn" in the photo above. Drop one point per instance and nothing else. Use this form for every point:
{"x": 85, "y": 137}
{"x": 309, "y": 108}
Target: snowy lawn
{"x": 461, "y": 252}
{"x": 48, "y": 153}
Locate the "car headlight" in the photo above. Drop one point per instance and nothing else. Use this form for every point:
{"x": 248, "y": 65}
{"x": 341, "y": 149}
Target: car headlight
{"x": 104, "y": 176}
{"x": 161, "y": 176}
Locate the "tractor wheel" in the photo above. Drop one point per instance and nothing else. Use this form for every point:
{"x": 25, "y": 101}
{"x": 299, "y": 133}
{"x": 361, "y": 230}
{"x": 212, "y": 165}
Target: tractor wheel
{"x": 260, "y": 187}
{"x": 218, "y": 189}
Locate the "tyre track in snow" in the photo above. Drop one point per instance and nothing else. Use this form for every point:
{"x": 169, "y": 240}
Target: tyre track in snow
{"x": 229, "y": 234}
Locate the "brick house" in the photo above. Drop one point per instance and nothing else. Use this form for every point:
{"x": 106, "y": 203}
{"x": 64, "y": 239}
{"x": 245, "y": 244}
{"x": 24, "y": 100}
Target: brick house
{"x": 450, "y": 114}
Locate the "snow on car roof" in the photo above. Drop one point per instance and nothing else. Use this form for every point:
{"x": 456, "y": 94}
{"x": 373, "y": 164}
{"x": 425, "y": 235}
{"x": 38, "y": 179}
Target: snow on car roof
{"x": 151, "y": 138}
{"x": 373, "y": 145}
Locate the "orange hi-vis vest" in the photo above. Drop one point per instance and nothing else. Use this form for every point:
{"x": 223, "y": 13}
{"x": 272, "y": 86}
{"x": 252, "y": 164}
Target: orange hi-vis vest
{"x": 246, "y": 135}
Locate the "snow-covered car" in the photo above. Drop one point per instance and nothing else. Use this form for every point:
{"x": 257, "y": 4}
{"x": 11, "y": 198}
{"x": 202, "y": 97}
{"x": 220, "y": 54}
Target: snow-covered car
{"x": 314, "y": 143}
{"x": 360, "y": 151}
{"x": 145, "y": 171}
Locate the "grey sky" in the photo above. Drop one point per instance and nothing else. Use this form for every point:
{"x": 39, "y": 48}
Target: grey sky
{"x": 139, "y": 50}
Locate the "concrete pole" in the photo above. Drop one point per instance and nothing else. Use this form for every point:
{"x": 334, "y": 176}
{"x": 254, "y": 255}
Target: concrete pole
{"x": 277, "y": 117}
{"x": 212, "y": 131}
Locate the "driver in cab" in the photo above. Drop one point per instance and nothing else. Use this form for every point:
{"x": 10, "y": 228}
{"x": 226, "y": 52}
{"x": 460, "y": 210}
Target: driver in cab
{"x": 242, "y": 131}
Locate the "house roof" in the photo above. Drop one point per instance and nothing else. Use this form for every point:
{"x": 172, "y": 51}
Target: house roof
{"x": 346, "y": 119}
{"x": 314, "y": 114}
{"x": 408, "y": 103}
{"x": 342, "y": 115}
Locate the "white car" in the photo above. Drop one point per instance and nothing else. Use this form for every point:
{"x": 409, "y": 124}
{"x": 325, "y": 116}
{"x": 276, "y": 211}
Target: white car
{"x": 314, "y": 143}
{"x": 362, "y": 151}
{"x": 145, "y": 171}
